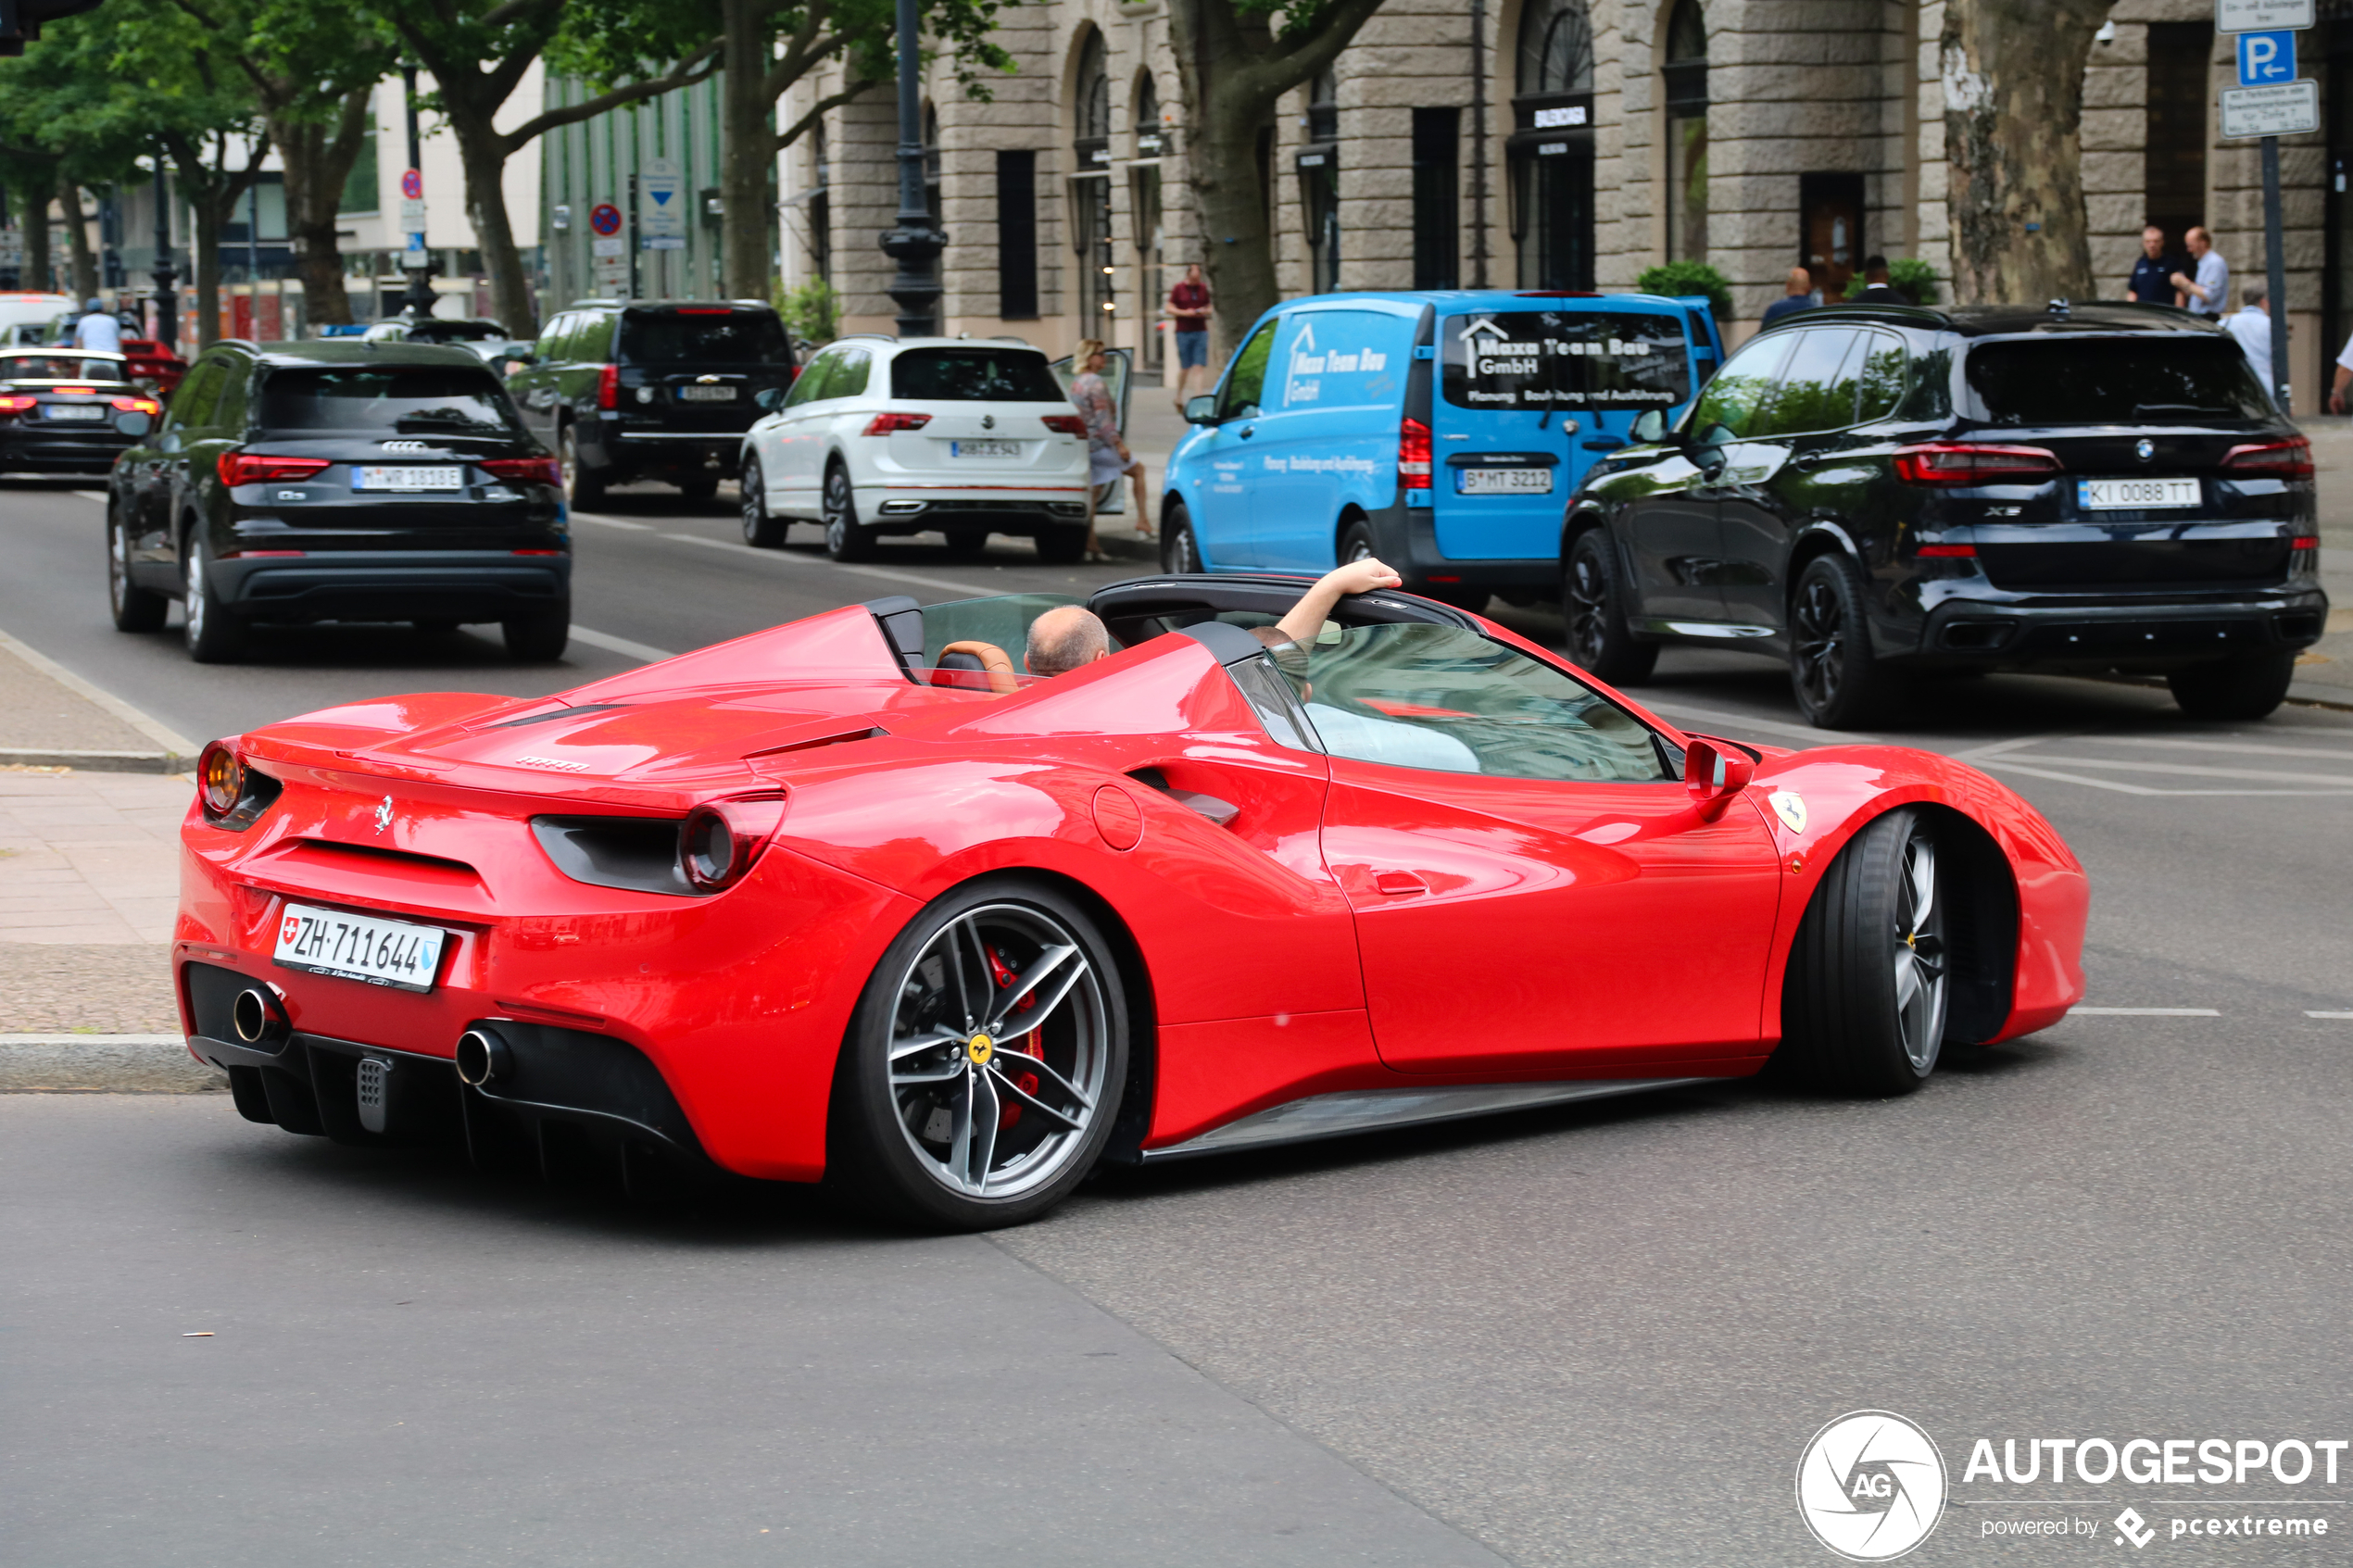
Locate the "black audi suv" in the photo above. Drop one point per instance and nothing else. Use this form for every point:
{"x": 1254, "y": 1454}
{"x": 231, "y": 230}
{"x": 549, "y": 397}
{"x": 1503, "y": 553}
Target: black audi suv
{"x": 1872, "y": 492}
{"x": 340, "y": 480}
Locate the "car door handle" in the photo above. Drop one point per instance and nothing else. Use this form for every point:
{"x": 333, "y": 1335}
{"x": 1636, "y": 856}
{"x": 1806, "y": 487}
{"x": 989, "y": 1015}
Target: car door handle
{"x": 1247, "y": 432}
{"x": 1605, "y": 443}
{"x": 1399, "y": 884}
{"x": 1813, "y": 459}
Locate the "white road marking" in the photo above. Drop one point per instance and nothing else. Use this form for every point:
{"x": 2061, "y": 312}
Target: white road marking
{"x": 2190, "y": 770}
{"x": 611, "y": 644}
{"x": 2248, "y": 747}
{"x": 2311, "y": 1014}
{"x": 98, "y": 495}
{"x": 2143, "y": 1013}
{"x": 2007, "y": 765}
{"x": 889, "y": 574}
{"x": 93, "y": 1040}
{"x": 612, "y": 523}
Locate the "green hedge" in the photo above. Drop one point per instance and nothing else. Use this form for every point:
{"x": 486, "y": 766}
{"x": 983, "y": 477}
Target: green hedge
{"x": 1689, "y": 276}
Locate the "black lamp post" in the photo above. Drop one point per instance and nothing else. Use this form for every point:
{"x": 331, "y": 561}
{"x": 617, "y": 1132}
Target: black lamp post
{"x": 418, "y": 300}
{"x": 915, "y": 241}
{"x": 167, "y": 294}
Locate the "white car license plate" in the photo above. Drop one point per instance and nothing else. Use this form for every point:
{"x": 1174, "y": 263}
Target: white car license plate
{"x": 408, "y": 478}
{"x": 1502, "y": 481}
{"x": 76, "y": 411}
{"x": 382, "y": 952}
{"x": 2134, "y": 495}
{"x": 984, "y": 448}
{"x": 706, "y": 394}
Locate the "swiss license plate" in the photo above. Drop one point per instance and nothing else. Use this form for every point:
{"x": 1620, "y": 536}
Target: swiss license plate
{"x": 76, "y": 411}
{"x": 706, "y": 394}
{"x": 2135, "y": 495}
{"x": 1503, "y": 481}
{"x": 984, "y": 448}
{"x": 408, "y": 478}
{"x": 350, "y": 946}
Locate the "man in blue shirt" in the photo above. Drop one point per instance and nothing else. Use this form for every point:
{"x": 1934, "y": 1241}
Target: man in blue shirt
{"x": 1800, "y": 297}
{"x": 2208, "y": 293}
{"x": 2152, "y": 279}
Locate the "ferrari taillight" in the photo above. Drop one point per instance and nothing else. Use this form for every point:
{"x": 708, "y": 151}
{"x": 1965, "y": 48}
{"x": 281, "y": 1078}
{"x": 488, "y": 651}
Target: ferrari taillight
{"x": 220, "y": 779}
{"x": 609, "y": 387}
{"x": 1413, "y": 454}
{"x": 721, "y": 840}
{"x": 258, "y": 467}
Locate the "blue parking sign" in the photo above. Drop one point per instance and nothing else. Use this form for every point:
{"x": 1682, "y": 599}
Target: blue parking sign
{"x": 2266, "y": 58}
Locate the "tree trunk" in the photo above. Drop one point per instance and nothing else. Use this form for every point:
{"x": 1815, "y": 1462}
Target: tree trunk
{"x": 85, "y": 262}
{"x": 482, "y": 153}
{"x": 748, "y": 139}
{"x": 2013, "y": 75}
{"x": 37, "y": 234}
{"x": 317, "y": 159}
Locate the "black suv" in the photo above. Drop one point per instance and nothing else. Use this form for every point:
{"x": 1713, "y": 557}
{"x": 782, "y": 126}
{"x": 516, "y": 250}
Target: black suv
{"x": 659, "y": 391}
{"x": 339, "y": 481}
{"x": 1868, "y": 491}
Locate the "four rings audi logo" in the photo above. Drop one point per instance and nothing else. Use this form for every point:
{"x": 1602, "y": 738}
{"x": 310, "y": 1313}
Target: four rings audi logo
{"x": 405, "y": 445}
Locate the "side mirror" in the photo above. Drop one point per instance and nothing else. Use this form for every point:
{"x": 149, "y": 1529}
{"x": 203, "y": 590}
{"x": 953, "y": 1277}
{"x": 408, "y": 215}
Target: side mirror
{"x": 1202, "y": 410}
{"x": 768, "y": 399}
{"x": 1715, "y": 770}
{"x": 1650, "y": 426}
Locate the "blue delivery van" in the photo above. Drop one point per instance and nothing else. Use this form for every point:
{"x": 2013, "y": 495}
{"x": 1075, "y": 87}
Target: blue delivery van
{"x": 1442, "y": 432}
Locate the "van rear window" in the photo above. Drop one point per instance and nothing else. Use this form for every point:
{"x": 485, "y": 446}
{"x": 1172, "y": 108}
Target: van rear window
{"x": 2117, "y": 380}
{"x": 1567, "y": 360}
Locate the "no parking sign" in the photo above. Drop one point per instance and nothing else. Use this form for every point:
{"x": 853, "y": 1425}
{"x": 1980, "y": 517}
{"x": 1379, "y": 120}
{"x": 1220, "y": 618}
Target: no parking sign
{"x": 605, "y": 218}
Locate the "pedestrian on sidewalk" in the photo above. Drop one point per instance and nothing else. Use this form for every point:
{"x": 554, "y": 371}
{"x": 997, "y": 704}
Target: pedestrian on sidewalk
{"x": 2208, "y": 292}
{"x": 2251, "y": 324}
{"x": 1188, "y": 309}
{"x": 1107, "y": 453}
{"x": 1798, "y": 295}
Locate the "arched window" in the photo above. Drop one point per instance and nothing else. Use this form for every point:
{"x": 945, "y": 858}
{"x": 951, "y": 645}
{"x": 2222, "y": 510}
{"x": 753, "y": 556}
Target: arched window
{"x": 1683, "y": 72}
{"x": 1552, "y": 146}
{"x": 1094, "y": 89}
{"x": 1144, "y": 209}
{"x": 1091, "y": 187}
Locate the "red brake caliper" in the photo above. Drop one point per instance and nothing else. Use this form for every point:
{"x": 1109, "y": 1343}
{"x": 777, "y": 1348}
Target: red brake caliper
{"x": 1002, "y": 972}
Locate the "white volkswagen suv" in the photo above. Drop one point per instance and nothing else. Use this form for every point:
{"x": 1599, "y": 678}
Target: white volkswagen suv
{"x": 969, "y": 437}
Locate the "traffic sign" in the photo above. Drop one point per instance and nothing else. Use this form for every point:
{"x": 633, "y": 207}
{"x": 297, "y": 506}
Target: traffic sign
{"x": 412, "y": 184}
{"x": 413, "y": 215}
{"x": 661, "y": 210}
{"x": 2266, "y": 58}
{"x": 415, "y": 257}
{"x": 605, "y": 218}
{"x": 2261, "y": 16}
{"x": 2288, "y": 108}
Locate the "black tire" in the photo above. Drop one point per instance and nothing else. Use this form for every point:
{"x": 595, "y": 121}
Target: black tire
{"x": 763, "y": 530}
{"x": 968, "y": 543}
{"x": 135, "y": 608}
{"x": 1061, "y": 543}
{"x": 1355, "y": 543}
{"x": 213, "y": 636}
{"x": 539, "y": 637}
{"x": 846, "y": 537}
{"x": 1593, "y": 602}
{"x": 698, "y": 489}
{"x": 2235, "y": 688}
{"x": 1838, "y": 683}
{"x": 583, "y": 485}
{"x": 1849, "y": 1025}
{"x": 906, "y": 1137}
{"x": 1179, "y": 551}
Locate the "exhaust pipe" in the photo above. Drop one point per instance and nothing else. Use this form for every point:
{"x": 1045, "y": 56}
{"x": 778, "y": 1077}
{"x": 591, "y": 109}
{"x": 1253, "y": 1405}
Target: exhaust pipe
{"x": 257, "y": 1017}
{"x": 483, "y": 1057}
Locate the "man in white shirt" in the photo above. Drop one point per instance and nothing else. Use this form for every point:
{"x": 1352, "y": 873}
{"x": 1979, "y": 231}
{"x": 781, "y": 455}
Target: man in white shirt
{"x": 2208, "y": 293}
{"x": 98, "y": 329}
{"x": 2252, "y": 327}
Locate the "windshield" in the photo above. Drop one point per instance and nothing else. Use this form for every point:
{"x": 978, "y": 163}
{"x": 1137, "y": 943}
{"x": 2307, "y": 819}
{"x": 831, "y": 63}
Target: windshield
{"x": 716, "y": 336}
{"x": 973, "y": 375}
{"x": 2118, "y": 381}
{"x": 1564, "y": 359}
{"x": 57, "y": 366}
{"x": 407, "y": 400}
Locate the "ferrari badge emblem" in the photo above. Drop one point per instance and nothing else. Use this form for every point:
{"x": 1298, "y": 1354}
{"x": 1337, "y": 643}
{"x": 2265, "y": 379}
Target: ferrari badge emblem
{"x": 1790, "y": 807}
{"x": 384, "y": 814}
{"x": 979, "y": 1049}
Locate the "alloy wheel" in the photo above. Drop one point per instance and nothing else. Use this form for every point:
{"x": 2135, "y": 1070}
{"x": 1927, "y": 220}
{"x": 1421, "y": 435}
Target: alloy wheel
{"x": 193, "y": 604}
{"x": 118, "y": 565}
{"x": 999, "y": 1048}
{"x": 1920, "y": 956}
{"x": 1588, "y": 611}
{"x": 755, "y": 506}
{"x": 1819, "y": 621}
{"x": 836, "y": 512}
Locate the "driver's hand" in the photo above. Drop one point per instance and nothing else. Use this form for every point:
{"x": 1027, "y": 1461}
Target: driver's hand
{"x": 1364, "y": 576}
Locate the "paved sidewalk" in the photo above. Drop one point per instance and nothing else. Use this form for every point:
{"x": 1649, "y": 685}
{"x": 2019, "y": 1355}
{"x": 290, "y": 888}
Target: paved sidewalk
{"x": 51, "y": 717}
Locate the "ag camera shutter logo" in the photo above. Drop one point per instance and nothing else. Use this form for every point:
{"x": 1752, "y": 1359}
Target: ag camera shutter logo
{"x": 1871, "y": 1486}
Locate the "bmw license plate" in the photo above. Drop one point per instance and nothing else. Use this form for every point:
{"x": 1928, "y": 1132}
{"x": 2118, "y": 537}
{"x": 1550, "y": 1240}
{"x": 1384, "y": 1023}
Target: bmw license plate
{"x": 408, "y": 478}
{"x": 350, "y": 946}
{"x": 75, "y": 411}
{"x": 2135, "y": 495}
{"x": 1503, "y": 481}
{"x": 706, "y": 394}
{"x": 984, "y": 448}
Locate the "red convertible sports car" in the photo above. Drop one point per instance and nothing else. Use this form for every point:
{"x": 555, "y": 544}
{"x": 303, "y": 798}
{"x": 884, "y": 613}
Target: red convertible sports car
{"x": 813, "y": 905}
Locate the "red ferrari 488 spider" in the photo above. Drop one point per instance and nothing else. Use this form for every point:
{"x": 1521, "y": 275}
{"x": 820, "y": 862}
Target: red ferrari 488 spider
{"x": 811, "y": 904}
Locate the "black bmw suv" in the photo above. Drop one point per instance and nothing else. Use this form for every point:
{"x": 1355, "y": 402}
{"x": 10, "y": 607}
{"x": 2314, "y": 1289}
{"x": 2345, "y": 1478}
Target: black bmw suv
{"x": 1873, "y": 491}
{"x": 339, "y": 481}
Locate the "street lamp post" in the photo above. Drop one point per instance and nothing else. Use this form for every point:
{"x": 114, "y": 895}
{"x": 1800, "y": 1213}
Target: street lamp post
{"x": 166, "y": 280}
{"x": 914, "y": 242}
{"x": 418, "y": 300}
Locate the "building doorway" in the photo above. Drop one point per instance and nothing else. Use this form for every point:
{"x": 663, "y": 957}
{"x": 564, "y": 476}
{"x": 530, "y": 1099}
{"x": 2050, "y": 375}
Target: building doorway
{"x": 1829, "y": 231}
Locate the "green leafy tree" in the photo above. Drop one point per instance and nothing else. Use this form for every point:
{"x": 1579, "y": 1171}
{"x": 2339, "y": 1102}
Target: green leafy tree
{"x": 67, "y": 118}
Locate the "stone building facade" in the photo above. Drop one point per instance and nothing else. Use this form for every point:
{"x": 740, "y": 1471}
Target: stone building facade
{"x": 1546, "y": 143}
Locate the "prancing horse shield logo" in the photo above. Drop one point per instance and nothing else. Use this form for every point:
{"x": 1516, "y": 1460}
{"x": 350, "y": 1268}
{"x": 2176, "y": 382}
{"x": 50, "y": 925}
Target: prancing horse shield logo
{"x": 384, "y": 814}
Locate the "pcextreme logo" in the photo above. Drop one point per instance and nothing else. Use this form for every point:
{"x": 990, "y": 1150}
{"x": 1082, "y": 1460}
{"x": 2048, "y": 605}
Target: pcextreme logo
{"x": 1871, "y": 1486}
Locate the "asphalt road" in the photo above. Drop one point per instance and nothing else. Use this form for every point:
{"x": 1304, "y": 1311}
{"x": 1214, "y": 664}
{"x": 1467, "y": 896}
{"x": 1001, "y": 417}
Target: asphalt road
{"x": 1597, "y": 1335}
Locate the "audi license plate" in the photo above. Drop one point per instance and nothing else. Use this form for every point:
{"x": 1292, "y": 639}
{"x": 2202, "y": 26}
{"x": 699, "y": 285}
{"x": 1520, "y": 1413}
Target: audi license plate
{"x": 706, "y": 394}
{"x": 75, "y": 411}
{"x": 2135, "y": 495}
{"x": 408, "y": 478}
{"x": 1502, "y": 481}
{"x": 350, "y": 947}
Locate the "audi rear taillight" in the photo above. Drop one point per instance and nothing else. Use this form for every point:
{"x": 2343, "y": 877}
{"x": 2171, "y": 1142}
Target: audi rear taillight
{"x": 260, "y": 468}
{"x": 1964, "y": 462}
{"x": 609, "y": 387}
{"x": 1065, "y": 424}
{"x": 1413, "y": 454}
{"x": 17, "y": 405}
{"x": 138, "y": 406}
{"x": 524, "y": 470}
{"x": 2278, "y": 459}
{"x": 721, "y": 841}
{"x": 884, "y": 424}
